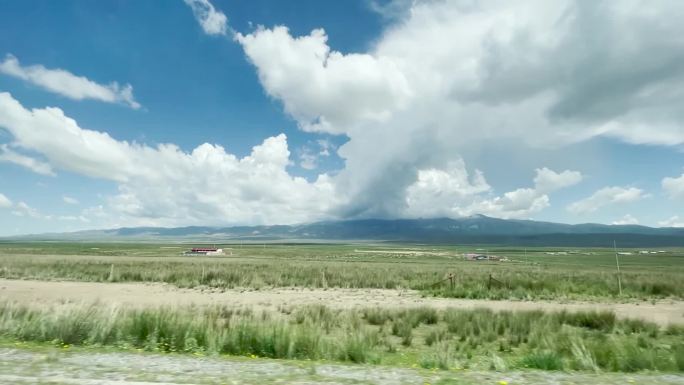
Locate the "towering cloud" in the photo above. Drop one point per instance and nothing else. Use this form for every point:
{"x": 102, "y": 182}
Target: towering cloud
{"x": 444, "y": 78}
{"x": 452, "y": 75}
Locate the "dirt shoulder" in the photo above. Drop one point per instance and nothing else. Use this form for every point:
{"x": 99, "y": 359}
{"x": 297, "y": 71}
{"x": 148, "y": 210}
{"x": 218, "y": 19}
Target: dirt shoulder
{"x": 148, "y": 295}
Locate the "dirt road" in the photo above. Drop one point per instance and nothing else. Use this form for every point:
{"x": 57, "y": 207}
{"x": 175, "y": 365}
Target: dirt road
{"x": 20, "y": 365}
{"x": 145, "y": 295}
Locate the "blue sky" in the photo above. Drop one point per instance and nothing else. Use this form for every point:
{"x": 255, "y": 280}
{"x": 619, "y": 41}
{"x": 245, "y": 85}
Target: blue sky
{"x": 388, "y": 109}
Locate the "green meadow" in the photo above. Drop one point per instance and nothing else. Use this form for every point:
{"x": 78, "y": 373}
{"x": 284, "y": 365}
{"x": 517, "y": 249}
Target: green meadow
{"x": 420, "y": 337}
{"x": 535, "y": 273}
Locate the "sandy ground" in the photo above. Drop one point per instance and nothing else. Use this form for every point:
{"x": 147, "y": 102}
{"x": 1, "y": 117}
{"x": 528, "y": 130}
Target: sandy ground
{"x": 145, "y": 295}
{"x": 19, "y": 365}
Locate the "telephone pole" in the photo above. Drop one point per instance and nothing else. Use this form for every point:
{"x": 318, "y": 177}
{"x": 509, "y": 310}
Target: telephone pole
{"x": 617, "y": 263}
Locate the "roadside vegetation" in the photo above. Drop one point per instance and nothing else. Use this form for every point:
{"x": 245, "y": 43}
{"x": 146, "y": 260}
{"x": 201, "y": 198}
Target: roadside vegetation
{"x": 446, "y": 339}
{"x": 526, "y": 274}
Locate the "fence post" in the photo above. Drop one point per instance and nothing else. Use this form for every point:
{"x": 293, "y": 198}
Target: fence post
{"x": 489, "y": 283}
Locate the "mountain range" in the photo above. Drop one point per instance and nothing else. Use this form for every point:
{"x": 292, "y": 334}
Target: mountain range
{"x": 478, "y": 229}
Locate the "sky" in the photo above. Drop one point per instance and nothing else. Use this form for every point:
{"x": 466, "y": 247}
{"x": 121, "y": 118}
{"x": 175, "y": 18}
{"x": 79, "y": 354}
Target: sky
{"x": 123, "y": 113}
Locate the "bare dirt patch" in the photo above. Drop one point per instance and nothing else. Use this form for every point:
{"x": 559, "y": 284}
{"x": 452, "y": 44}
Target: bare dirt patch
{"x": 148, "y": 295}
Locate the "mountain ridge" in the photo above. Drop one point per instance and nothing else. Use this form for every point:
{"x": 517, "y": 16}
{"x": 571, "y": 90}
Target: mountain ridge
{"x": 477, "y": 229}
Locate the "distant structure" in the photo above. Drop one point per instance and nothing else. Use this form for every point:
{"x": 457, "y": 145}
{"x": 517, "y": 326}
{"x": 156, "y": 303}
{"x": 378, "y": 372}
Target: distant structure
{"x": 481, "y": 257}
{"x": 204, "y": 251}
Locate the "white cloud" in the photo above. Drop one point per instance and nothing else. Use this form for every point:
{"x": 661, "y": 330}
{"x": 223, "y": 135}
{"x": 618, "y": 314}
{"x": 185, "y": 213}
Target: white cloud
{"x": 307, "y": 160}
{"x": 605, "y": 197}
{"x": 21, "y": 209}
{"x": 73, "y": 218}
{"x": 5, "y": 202}
{"x": 325, "y": 146}
{"x": 452, "y": 192}
{"x": 70, "y": 200}
{"x": 35, "y": 165}
{"x": 213, "y": 22}
{"x": 310, "y": 154}
{"x": 674, "y": 221}
{"x": 674, "y": 187}
{"x": 549, "y": 180}
{"x": 65, "y": 83}
{"x": 165, "y": 186}
{"x": 445, "y": 77}
{"x": 451, "y": 75}
{"x": 391, "y": 10}
{"x": 626, "y": 220}
{"x": 323, "y": 89}
{"x": 445, "y": 192}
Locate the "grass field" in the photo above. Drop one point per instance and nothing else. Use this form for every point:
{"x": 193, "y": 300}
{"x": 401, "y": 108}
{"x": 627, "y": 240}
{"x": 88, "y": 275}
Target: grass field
{"x": 528, "y": 274}
{"x": 421, "y": 337}
{"x": 447, "y": 340}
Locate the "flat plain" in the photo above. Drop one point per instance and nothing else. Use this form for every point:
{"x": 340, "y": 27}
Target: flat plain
{"x": 535, "y": 310}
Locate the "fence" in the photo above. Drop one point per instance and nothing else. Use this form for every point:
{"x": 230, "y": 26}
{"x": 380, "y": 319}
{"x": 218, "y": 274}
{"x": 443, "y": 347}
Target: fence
{"x": 451, "y": 277}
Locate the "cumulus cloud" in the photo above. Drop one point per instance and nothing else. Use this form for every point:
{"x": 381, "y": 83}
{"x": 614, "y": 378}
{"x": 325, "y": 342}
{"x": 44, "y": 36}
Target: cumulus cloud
{"x": 452, "y": 75}
{"x": 310, "y": 154}
{"x": 326, "y": 147}
{"x": 453, "y": 192}
{"x": 4, "y": 201}
{"x": 626, "y": 220}
{"x": 445, "y": 192}
{"x": 212, "y": 21}
{"x": 674, "y": 186}
{"x": 69, "y": 200}
{"x": 35, "y": 165}
{"x": 605, "y": 197}
{"x": 323, "y": 89}
{"x": 165, "y": 186}
{"x": 673, "y": 221}
{"x": 65, "y": 83}
{"x": 445, "y": 77}
{"x": 21, "y": 209}
{"x": 549, "y": 180}
{"x": 307, "y": 160}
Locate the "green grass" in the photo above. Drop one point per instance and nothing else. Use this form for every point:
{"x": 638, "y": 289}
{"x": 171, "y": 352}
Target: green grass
{"x": 452, "y": 339}
{"x": 529, "y": 274}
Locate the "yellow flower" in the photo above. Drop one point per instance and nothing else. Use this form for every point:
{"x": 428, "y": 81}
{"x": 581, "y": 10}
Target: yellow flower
{"x": 252, "y": 356}
{"x": 502, "y": 382}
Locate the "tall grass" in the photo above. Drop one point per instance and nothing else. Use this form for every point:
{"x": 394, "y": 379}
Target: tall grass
{"x": 518, "y": 281}
{"x": 434, "y": 339}
{"x": 212, "y": 330}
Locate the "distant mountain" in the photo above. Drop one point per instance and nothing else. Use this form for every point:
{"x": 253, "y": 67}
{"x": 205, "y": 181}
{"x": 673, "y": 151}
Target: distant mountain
{"x": 477, "y": 229}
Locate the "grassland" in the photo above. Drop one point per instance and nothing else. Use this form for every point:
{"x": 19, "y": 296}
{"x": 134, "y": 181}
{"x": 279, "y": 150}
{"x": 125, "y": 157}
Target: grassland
{"x": 528, "y": 274}
{"x": 425, "y": 337}
{"x": 447, "y": 340}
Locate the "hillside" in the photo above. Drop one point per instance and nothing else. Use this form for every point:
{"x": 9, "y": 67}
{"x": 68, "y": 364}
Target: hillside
{"x": 470, "y": 230}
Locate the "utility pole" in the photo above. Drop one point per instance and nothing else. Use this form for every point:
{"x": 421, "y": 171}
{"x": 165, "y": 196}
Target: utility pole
{"x": 617, "y": 263}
